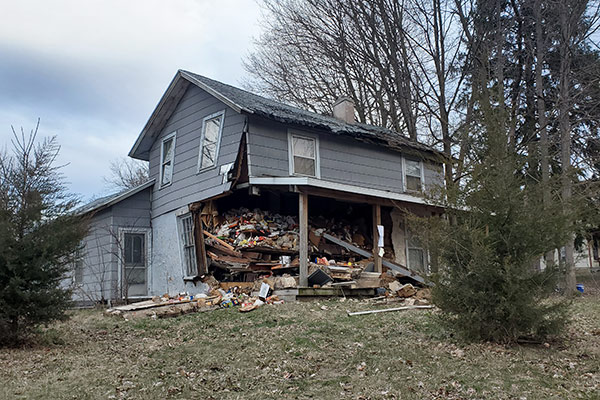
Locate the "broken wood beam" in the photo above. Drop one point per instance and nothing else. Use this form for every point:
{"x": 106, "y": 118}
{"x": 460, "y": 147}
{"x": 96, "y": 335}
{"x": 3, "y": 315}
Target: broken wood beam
{"x": 225, "y": 250}
{"x": 376, "y": 222}
{"x": 395, "y": 267}
{"x": 303, "y": 222}
{"x": 200, "y": 246}
{"x": 221, "y": 242}
{"x": 350, "y": 314}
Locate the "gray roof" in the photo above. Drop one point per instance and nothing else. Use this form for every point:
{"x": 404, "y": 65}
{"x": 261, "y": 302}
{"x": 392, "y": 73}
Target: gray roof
{"x": 286, "y": 113}
{"x": 246, "y": 102}
{"x": 111, "y": 199}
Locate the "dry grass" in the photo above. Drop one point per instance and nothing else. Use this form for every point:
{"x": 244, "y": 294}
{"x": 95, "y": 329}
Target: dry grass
{"x": 297, "y": 351}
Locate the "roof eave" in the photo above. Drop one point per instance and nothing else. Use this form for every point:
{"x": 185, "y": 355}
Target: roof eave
{"x": 119, "y": 198}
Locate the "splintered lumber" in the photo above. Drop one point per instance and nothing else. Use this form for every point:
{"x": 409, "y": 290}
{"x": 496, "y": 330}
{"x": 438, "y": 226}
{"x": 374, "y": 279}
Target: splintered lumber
{"x": 388, "y": 310}
{"x": 221, "y": 242}
{"x": 393, "y": 266}
{"x": 223, "y": 249}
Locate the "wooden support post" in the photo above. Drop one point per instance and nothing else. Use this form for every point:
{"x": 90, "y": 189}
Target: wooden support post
{"x": 303, "y": 222}
{"x": 200, "y": 248}
{"x": 376, "y": 221}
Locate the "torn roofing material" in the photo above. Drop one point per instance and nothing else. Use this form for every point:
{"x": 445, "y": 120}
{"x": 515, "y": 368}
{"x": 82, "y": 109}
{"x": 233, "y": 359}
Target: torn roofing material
{"x": 246, "y": 102}
{"x": 272, "y": 109}
{"x": 112, "y": 199}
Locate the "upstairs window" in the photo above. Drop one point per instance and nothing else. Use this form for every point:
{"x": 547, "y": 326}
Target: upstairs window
{"x": 188, "y": 248}
{"x": 167, "y": 157}
{"x": 304, "y": 155}
{"x": 413, "y": 171}
{"x": 212, "y": 127}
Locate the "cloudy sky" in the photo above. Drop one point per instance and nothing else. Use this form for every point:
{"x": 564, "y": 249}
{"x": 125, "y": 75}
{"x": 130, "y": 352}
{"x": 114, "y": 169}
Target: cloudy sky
{"x": 94, "y": 70}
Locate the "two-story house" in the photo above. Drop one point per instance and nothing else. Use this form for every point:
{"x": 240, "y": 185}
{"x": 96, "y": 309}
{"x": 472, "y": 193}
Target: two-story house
{"x": 208, "y": 141}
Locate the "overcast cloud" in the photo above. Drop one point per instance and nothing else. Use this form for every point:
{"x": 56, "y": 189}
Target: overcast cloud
{"x": 93, "y": 71}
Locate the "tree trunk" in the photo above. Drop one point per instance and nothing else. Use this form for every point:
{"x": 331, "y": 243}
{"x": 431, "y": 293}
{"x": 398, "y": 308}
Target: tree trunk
{"x": 565, "y": 140}
{"x": 542, "y": 118}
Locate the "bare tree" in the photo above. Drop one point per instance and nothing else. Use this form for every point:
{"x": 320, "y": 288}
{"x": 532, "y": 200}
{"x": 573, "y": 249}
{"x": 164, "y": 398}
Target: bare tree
{"x": 126, "y": 173}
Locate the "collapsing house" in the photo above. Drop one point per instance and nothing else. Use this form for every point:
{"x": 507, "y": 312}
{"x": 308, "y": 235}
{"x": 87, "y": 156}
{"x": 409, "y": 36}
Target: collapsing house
{"x": 244, "y": 187}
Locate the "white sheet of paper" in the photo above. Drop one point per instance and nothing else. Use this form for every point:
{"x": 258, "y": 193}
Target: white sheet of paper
{"x": 380, "y": 231}
{"x": 381, "y": 252}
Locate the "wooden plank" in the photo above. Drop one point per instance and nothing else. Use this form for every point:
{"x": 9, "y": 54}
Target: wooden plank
{"x": 303, "y": 221}
{"x": 200, "y": 246}
{"x": 388, "y": 310}
{"x": 221, "y": 242}
{"x": 376, "y": 221}
{"x": 225, "y": 250}
{"x": 366, "y": 254}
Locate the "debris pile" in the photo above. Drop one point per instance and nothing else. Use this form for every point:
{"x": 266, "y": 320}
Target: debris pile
{"x": 221, "y": 295}
{"x": 246, "y": 245}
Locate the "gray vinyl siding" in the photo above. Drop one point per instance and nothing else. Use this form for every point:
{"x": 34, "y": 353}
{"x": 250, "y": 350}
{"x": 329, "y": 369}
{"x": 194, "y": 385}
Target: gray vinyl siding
{"x": 187, "y": 185}
{"x": 100, "y": 254}
{"x": 342, "y": 160}
{"x": 99, "y": 261}
{"x": 134, "y": 211}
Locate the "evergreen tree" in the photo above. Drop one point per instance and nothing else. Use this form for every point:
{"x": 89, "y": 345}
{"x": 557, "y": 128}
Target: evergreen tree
{"x": 38, "y": 236}
{"x": 497, "y": 226}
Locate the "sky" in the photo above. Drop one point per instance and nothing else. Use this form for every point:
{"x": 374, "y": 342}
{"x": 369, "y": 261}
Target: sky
{"x": 92, "y": 71}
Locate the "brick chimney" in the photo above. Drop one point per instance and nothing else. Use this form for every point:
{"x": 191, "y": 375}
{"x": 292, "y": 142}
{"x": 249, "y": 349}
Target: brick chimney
{"x": 343, "y": 109}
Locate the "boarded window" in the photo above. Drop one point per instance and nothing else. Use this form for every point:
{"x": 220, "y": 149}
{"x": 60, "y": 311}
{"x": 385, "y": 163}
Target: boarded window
{"x": 211, "y": 134}
{"x": 188, "y": 249}
{"x": 304, "y": 153}
{"x": 167, "y": 158}
{"x": 413, "y": 175}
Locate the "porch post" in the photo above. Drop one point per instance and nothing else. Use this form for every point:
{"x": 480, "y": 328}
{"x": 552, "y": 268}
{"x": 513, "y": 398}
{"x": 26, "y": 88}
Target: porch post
{"x": 376, "y": 221}
{"x": 303, "y": 222}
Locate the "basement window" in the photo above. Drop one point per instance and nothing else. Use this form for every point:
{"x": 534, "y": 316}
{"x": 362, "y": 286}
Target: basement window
{"x": 212, "y": 126}
{"x": 188, "y": 248}
{"x": 304, "y": 155}
{"x": 167, "y": 157}
{"x": 413, "y": 175}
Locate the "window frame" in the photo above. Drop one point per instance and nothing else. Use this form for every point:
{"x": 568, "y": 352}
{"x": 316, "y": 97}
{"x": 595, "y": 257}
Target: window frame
{"x": 221, "y": 116}
{"x": 170, "y": 136}
{"x": 408, "y": 247}
{"x": 122, "y": 230}
{"x": 79, "y": 266}
{"x": 183, "y": 246}
{"x": 317, "y": 159}
{"x": 405, "y": 174}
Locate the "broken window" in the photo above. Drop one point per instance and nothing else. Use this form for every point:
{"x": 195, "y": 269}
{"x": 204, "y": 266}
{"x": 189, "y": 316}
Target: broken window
{"x": 304, "y": 156}
{"x": 412, "y": 175}
{"x": 188, "y": 249}
{"x": 167, "y": 156}
{"x": 211, "y": 133}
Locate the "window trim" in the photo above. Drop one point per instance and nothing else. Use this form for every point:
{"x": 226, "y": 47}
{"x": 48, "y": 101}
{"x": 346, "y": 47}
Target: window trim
{"x": 148, "y": 237}
{"x": 173, "y": 136}
{"x": 404, "y": 175}
{"x": 180, "y": 217}
{"x": 221, "y": 115}
{"x": 303, "y": 135}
